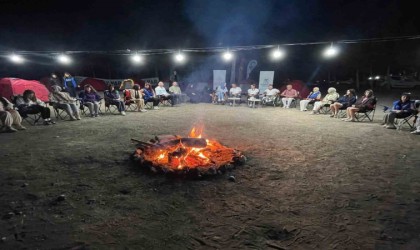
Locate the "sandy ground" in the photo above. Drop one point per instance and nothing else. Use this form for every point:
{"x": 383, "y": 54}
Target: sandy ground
{"x": 309, "y": 182}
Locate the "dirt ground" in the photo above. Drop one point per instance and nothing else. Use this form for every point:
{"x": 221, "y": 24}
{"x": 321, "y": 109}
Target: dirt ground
{"x": 310, "y": 182}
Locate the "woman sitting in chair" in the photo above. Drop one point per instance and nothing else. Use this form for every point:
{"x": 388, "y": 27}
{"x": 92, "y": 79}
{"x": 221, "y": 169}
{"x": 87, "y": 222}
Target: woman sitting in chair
{"x": 343, "y": 102}
{"x": 136, "y": 95}
{"x": 63, "y": 100}
{"x": 314, "y": 96}
{"x": 9, "y": 117}
{"x": 150, "y": 96}
{"x": 29, "y": 104}
{"x": 112, "y": 97}
{"x": 401, "y": 109}
{"x": 365, "y": 103}
{"x": 91, "y": 99}
{"x": 329, "y": 99}
{"x": 220, "y": 94}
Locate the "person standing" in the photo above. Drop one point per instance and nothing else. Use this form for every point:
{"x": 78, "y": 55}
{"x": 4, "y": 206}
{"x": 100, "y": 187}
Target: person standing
{"x": 69, "y": 84}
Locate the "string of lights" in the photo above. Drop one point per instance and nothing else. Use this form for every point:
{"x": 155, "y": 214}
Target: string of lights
{"x": 137, "y": 56}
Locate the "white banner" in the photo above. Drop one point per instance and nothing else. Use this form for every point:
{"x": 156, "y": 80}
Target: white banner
{"x": 251, "y": 66}
{"x": 152, "y": 80}
{"x": 219, "y": 77}
{"x": 266, "y": 78}
{"x": 115, "y": 82}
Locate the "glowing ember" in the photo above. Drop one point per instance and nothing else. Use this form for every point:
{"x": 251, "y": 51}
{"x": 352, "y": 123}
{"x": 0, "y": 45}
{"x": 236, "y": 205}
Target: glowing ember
{"x": 171, "y": 153}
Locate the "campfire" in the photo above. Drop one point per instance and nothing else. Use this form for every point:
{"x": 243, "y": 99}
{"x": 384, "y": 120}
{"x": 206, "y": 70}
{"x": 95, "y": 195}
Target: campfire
{"x": 192, "y": 155}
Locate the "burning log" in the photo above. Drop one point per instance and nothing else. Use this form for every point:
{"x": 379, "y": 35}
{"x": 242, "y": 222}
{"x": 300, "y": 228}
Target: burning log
{"x": 193, "y": 155}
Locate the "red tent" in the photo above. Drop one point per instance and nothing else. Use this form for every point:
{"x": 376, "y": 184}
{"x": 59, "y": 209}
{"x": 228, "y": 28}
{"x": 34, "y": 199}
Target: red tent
{"x": 16, "y": 86}
{"x": 97, "y": 84}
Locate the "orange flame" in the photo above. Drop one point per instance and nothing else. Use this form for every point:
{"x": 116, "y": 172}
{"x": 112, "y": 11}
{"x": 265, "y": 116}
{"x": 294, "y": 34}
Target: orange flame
{"x": 181, "y": 156}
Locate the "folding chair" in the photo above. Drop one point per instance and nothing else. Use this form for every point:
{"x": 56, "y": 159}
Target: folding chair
{"x": 341, "y": 113}
{"x": 400, "y": 122}
{"x": 59, "y": 113}
{"x": 164, "y": 101}
{"x": 270, "y": 100}
{"x": 367, "y": 114}
{"x": 83, "y": 108}
{"x": 110, "y": 108}
{"x": 129, "y": 104}
{"x": 31, "y": 119}
{"x": 295, "y": 101}
{"x": 325, "y": 109}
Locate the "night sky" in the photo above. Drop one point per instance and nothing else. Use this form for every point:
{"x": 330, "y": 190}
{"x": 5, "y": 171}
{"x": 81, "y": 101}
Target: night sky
{"x": 125, "y": 24}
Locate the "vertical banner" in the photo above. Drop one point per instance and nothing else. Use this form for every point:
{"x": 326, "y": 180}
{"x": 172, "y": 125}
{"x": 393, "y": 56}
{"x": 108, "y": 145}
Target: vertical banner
{"x": 251, "y": 66}
{"x": 266, "y": 78}
{"x": 219, "y": 77}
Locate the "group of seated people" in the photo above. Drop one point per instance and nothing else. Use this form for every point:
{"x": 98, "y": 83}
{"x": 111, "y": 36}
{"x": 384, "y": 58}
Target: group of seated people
{"x": 221, "y": 94}
{"x": 28, "y": 103}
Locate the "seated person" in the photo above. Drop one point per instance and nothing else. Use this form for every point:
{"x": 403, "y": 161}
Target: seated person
{"x": 270, "y": 94}
{"x": 221, "y": 93}
{"x": 29, "y": 104}
{"x": 343, "y": 102}
{"x": 162, "y": 94}
{"x": 363, "y": 104}
{"x": 401, "y": 109}
{"x": 235, "y": 92}
{"x": 63, "y": 100}
{"x": 9, "y": 117}
{"x": 314, "y": 96}
{"x": 90, "y": 98}
{"x": 177, "y": 94}
{"x": 289, "y": 94}
{"x": 112, "y": 97}
{"x": 253, "y": 92}
{"x": 149, "y": 95}
{"x": 329, "y": 99}
{"x": 136, "y": 95}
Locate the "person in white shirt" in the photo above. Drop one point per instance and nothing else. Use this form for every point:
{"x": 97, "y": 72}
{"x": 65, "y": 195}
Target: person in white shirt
{"x": 270, "y": 94}
{"x": 162, "y": 94}
{"x": 253, "y": 92}
{"x": 235, "y": 91}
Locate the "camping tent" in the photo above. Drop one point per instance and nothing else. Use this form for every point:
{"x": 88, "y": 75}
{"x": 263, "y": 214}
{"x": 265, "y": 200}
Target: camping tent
{"x": 97, "y": 84}
{"x": 16, "y": 86}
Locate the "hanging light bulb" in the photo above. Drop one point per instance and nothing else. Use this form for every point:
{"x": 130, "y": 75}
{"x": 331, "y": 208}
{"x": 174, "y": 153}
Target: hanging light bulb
{"x": 136, "y": 58}
{"x": 18, "y": 59}
{"x": 179, "y": 57}
{"x": 64, "y": 59}
{"x": 331, "y": 51}
{"x": 277, "y": 53}
{"x": 227, "y": 55}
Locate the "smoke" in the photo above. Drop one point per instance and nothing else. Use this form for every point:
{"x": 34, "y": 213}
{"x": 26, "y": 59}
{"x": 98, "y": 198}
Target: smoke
{"x": 229, "y": 22}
